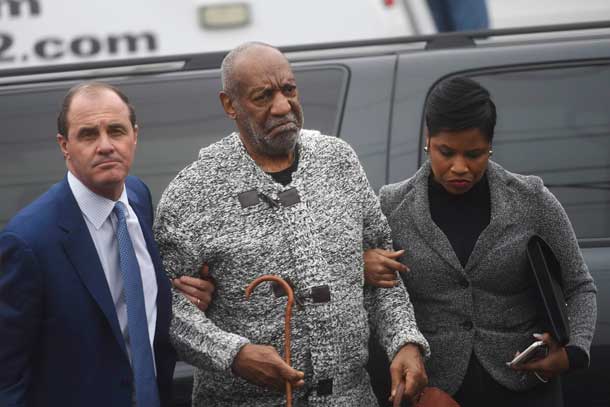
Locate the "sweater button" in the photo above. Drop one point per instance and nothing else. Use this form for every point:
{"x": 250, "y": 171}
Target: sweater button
{"x": 467, "y": 325}
{"x": 464, "y": 283}
{"x": 325, "y": 387}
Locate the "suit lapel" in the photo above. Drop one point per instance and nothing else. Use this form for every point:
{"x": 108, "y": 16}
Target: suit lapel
{"x": 80, "y": 250}
{"x": 501, "y": 215}
{"x": 418, "y": 207}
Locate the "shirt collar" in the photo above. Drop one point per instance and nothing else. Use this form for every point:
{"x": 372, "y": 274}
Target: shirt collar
{"x": 94, "y": 207}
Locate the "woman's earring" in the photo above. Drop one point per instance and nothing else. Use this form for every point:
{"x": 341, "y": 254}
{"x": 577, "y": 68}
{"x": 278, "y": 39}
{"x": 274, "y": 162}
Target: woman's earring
{"x": 491, "y": 152}
{"x": 426, "y": 149}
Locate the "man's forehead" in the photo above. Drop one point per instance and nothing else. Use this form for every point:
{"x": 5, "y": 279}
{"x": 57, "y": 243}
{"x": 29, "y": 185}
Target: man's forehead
{"x": 98, "y": 99}
{"x": 90, "y": 109}
{"x": 262, "y": 65}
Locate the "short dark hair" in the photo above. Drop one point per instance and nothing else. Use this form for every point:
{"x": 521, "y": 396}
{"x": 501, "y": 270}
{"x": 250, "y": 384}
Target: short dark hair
{"x": 89, "y": 87}
{"x": 459, "y": 103}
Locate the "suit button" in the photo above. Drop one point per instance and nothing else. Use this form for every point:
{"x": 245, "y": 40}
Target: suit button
{"x": 467, "y": 325}
{"x": 464, "y": 283}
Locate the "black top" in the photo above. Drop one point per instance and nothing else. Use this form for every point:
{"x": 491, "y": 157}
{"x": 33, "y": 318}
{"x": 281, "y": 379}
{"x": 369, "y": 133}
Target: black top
{"x": 463, "y": 217}
{"x": 284, "y": 177}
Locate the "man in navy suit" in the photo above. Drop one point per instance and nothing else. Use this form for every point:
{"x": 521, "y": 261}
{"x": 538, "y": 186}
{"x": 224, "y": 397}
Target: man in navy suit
{"x": 84, "y": 302}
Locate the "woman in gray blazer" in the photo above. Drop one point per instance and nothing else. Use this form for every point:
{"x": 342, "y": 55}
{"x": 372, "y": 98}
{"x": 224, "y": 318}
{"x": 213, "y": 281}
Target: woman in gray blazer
{"x": 464, "y": 223}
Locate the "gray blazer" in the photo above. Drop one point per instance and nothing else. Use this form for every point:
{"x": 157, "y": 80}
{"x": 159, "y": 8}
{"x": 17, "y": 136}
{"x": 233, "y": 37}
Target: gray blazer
{"x": 486, "y": 307}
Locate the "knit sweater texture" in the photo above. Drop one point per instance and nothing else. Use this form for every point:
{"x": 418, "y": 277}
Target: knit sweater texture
{"x": 314, "y": 243}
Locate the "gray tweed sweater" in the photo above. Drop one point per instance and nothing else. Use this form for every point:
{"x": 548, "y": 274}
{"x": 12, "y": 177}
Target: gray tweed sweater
{"x": 314, "y": 243}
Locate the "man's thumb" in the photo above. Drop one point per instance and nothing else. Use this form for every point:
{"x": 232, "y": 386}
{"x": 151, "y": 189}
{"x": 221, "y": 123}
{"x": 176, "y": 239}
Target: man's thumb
{"x": 400, "y": 390}
{"x": 290, "y": 374}
{"x": 396, "y": 379}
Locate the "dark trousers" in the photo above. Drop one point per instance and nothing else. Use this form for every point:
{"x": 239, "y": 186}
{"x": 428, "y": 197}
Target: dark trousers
{"x": 479, "y": 389}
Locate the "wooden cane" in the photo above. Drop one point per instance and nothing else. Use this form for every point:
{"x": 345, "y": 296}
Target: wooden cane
{"x": 287, "y": 317}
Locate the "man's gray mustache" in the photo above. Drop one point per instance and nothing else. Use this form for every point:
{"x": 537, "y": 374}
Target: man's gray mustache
{"x": 289, "y": 119}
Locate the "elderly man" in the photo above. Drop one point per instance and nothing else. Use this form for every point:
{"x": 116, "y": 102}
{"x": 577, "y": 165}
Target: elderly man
{"x": 85, "y": 305}
{"x": 275, "y": 199}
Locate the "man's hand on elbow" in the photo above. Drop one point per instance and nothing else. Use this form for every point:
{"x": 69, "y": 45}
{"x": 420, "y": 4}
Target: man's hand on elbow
{"x": 263, "y": 366}
{"x": 199, "y": 291}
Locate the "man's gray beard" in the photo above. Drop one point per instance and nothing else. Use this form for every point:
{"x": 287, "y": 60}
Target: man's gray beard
{"x": 276, "y": 146}
{"x": 279, "y": 145}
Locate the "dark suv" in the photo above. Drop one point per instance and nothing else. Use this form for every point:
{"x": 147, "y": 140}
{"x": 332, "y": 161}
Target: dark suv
{"x": 551, "y": 86}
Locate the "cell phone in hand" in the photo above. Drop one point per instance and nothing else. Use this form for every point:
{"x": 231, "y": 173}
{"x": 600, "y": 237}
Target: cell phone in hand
{"x": 536, "y": 350}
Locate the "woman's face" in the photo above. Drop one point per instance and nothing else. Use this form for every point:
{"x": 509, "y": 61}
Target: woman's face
{"x": 458, "y": 158}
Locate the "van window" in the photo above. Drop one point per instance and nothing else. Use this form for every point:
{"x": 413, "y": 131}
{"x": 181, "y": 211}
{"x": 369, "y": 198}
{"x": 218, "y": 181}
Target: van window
{"x": 178, "y": 114}
{"x": 555, "y": 123}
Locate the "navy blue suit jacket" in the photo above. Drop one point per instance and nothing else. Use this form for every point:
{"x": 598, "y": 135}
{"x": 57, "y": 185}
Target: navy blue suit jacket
{"x": 60, "y": 341}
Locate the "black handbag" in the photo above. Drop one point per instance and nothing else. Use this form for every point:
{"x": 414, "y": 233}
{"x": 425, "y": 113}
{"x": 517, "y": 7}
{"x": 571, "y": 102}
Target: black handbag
{"x": 547, "y": 273}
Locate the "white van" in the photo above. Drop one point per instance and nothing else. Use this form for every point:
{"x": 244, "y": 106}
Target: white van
{"x": 523, "y": 13}
{"x": 43, "y": 32}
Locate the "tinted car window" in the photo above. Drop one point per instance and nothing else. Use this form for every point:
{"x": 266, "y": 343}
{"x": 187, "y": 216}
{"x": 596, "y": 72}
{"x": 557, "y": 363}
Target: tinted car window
{"x": 177, "y": 114}
{"x": 555, "y": 123}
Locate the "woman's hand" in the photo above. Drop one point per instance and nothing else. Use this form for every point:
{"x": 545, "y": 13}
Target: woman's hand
{"x": 380, "y": 267}
{"x": 553, "y": 364}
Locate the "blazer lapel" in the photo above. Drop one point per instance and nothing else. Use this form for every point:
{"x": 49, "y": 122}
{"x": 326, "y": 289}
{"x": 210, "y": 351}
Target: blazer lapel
{"x": 418, "y": 206}
{"x": 80, "y": 250}
{"x": 501, "y": 215}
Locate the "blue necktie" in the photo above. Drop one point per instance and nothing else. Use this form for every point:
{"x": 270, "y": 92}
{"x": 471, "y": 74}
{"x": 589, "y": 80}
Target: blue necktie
{"x": 146, "y": 391}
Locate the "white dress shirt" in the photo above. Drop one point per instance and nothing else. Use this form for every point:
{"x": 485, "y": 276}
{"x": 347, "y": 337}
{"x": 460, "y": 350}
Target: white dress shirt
{"x": 102, "y": 223}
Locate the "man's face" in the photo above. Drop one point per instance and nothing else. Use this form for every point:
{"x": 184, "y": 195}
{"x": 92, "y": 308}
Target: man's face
{"x": 101, "y": 142}
{"x": 267, "y": 109}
